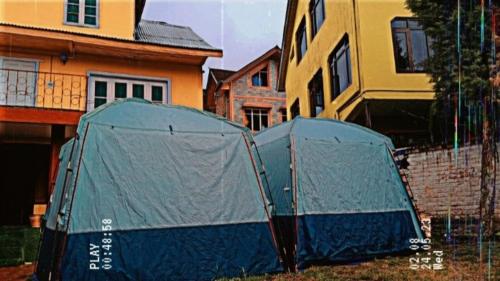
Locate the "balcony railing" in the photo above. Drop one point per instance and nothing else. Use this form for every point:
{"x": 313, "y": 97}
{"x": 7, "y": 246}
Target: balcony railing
{"x": 42, "y": 89}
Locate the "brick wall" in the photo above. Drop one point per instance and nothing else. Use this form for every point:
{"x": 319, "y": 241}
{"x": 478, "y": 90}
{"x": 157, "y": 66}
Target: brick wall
{"x": 433, "y": 176}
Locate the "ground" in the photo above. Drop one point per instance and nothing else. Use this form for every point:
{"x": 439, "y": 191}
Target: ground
{"x": 460, "y": 263}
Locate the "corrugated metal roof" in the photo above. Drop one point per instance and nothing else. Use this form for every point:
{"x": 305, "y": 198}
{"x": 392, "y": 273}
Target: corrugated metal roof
{"x": 163, "y": 33}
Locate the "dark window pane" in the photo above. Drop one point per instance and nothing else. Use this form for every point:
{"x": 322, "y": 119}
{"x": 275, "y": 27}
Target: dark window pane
{"x": 255, "y": 121}
{"x": 402, "y": 62}
{"x": 301, "y": 40}
{"x": 295, "y": 109}
{"x": 413, "y": 24}
{"x": 343, "y": 72}
{"x": 419, "y": 47}
{"x": 73, "y": 9}
{"x": 100, "y": 92}
{"x": 74, "y": 1}
{"x": 340, "y": 67}
{"x": 90, "y": 20}
{"x": 316, "y": 94}
{"x": 98, "y": 102}
{"x": 138, "y": 91}
{"x": 319, "y": 15}
{"x": 72, "y": 18}
{"x": 283, "y": 115}
{"x": 303, "y": 44}
{"x": 248, "y": 115}
{"x": 256, "y": 79}
{"x": 398, "y": 23}
{"x": 100, "y": 88}
{"x": 263, "y": 78}
{"x": 120, "y": 90}
{"x": 263, "y": 120}
{"x": 90, "y": 2}
{"x": 157, "y": 94}
{"x": 89, "y": 11}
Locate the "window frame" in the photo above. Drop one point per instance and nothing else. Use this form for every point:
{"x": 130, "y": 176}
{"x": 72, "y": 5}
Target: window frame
{"x": 344, "y": 47}
{"x": 261, "y": 111}
{"x": 283, "y": 114}
{"x": 312, "y": 15}
{"x": 409, "y": 44}
{"x": 295, "y": 105}
{"x": 302, "y": 27}
{"x": 81, "y": 15}
{"x": 318, "y": 77}
{"x": 260, "y": 69}
{"x": 111, "y": 79}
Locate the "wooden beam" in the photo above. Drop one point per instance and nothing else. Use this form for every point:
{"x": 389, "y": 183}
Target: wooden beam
{"x": 103, "y": 41}
{"x": 39, "y": 115}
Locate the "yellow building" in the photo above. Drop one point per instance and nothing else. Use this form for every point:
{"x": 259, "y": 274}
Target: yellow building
{"x": 62, "y": 58}
{"x": 359, "y": 61}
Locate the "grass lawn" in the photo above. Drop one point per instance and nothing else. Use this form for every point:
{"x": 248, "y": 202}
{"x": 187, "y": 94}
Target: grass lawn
{"x": 459, "y": 262}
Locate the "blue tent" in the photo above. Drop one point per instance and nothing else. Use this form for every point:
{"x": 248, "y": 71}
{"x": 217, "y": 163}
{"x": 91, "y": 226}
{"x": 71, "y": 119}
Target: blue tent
{"x": 155, "y": 192}
{"x": 337, "y": 194}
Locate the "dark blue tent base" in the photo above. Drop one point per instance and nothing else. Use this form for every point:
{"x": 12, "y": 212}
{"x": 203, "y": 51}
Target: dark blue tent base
{"x": 150, "y": 254}
{"x": 351, "y": 237}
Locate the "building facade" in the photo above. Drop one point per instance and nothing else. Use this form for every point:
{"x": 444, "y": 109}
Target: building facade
{"x": 62, "y": 58}
{"x": 248, "y": 96}
{"x": 359, "y": 61}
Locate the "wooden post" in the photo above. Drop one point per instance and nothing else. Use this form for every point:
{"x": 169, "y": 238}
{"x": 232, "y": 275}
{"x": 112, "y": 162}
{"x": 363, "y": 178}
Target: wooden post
{"x": 56, "y": 142}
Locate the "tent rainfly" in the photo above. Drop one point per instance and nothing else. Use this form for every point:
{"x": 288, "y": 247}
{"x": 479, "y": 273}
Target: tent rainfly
{"x": 156, "y": 192}
{"x": 336, "y": 191}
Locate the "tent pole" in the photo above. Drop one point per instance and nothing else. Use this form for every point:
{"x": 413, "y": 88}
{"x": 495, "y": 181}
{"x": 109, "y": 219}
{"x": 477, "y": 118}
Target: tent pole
{"x": 295, "y": 197}
{"x": 57, "y": 262}
{"x": 65, "y": 183}
{"x": 269, "y": 219}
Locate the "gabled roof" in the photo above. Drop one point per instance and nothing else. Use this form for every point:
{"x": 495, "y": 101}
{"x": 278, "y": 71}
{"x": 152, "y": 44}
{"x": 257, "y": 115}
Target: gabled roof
{"x": 162, "y": 33}
{"x": 274, "y": 53}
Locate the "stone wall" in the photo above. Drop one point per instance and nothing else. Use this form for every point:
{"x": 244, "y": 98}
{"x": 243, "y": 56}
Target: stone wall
{"x": 267, "y": 97}
{"x": 436, "y": 179}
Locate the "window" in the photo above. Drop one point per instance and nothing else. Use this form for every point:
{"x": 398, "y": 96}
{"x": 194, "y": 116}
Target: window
{"x": 106, "y": 88}
{"x": 260, "y": 79}
{"x": 340, "y": 67}
{"x": 295, "y": 109}
{"x": 138, "y": 91}
{"x": 81, "y": 12}
{"x": 411, "y": 45}
{"x": 316, "y": 100}
{"x": 256, "y": 118}
{"x": 301, "y": 40}
{"x": 101, "y": 89}
{"x": 283, "y": 115}
{"x": 120, "y": 90}
{"x": 317, "y": 12}
{"x": 157, "y": 94}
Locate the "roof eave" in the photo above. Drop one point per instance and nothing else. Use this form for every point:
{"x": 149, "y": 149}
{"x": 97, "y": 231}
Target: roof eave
{"x": 291, "y": 9}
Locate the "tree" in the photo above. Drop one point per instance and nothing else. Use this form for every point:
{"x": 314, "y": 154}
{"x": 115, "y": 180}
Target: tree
{"x": 460, "y": 69}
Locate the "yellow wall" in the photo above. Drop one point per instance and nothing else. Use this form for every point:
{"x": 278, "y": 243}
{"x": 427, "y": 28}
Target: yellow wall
{"x": 378, "y": 79}
{"x": 116, "y": 17}
{"x": 185, "y": 80}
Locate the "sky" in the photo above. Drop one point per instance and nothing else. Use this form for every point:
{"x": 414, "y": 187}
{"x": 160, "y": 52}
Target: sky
{"x": 243, "y": 29}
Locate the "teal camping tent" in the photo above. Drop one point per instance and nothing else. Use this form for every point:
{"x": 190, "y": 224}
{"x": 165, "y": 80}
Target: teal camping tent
{"x": 337, "y": 194}
{"x": 156, "y": 192}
